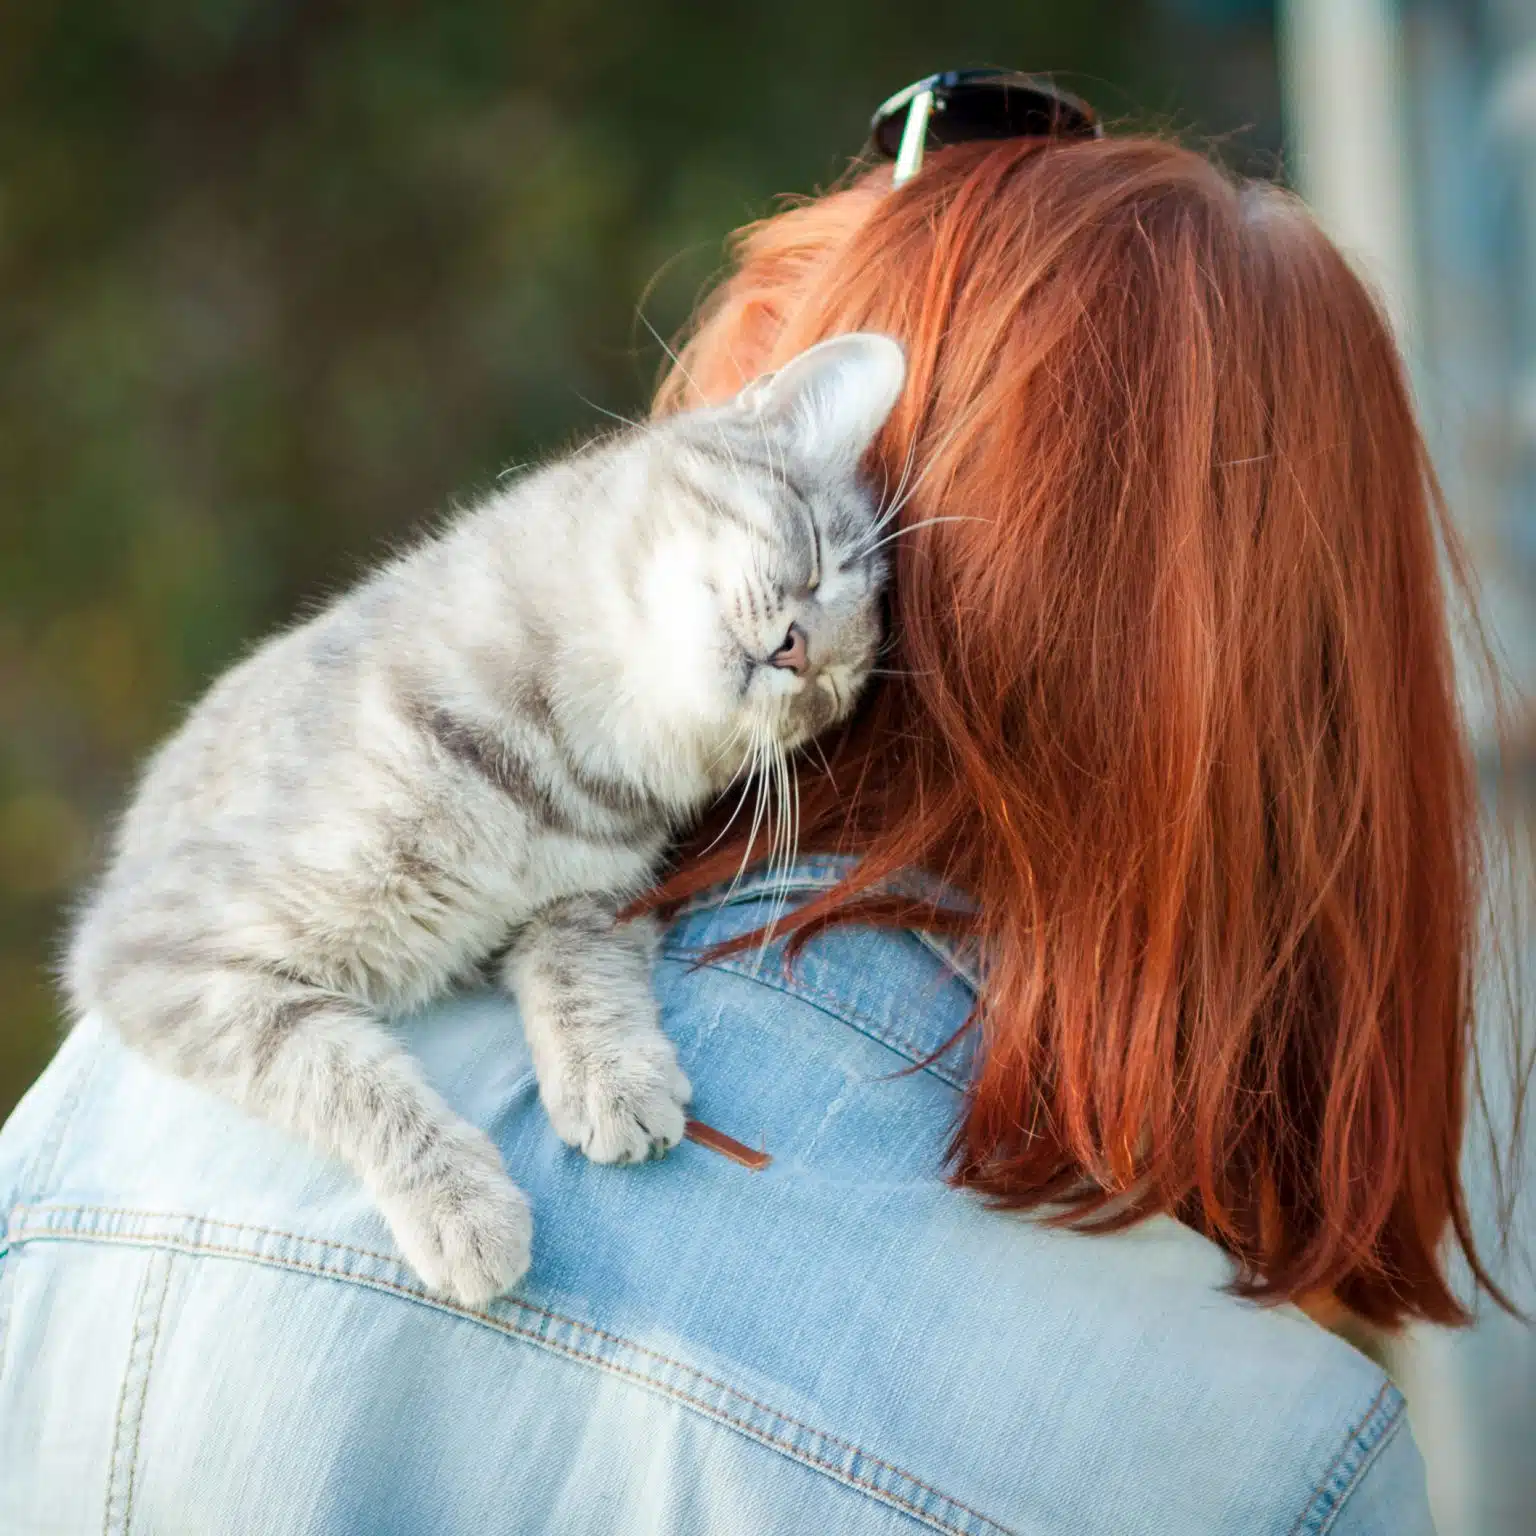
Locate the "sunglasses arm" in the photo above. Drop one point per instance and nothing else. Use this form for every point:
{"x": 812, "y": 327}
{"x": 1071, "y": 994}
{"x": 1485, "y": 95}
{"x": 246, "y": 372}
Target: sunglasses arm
{"x": 914, "y": 135}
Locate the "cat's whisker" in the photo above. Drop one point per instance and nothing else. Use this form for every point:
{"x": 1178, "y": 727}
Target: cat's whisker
{"x": 888, "y": 509}
{"x": 759, "y": 777}
{"x": 692, "y": 383}
{"x": 792, "y": 851}
{"x": 887, "y": 495}
{"x": 776, "y": 481}
{"x": 661, "y": 342}
{"x": 602, "y": 410}
{"x": 771, "y": 828}
{"x": 906, "y": 466}
{"x": 901, "y": 500}
{"x": 741, "y": 799}
{"x": 895, "y": 511}
{"x": 729, "y": 742}
{"x": 779, "y": 853}
{"x": 787, "y": 829}
{"x": 826, "y": 767}
{"x": 902, "y": 497}
{"x": 792, "y": 846}
{"x": 789, "y": 783}
{"x": 926, "y": 522}
{"x": 787, "y": 843}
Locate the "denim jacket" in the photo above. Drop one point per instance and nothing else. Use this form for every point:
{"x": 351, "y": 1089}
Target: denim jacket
{"x": 203, "y": 1328}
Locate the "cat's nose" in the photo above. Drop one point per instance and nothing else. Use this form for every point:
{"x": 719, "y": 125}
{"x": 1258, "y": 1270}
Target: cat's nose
{"x": 794, "y": 655}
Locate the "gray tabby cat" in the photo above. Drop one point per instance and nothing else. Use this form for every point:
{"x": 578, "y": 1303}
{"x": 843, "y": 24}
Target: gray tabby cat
{"x": 483, "y": 750}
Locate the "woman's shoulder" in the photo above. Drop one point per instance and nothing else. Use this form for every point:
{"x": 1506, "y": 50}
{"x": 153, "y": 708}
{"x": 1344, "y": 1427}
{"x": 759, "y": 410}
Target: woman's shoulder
{"x": 837, "y": 1325}
{"x": 1081, "y": 1382}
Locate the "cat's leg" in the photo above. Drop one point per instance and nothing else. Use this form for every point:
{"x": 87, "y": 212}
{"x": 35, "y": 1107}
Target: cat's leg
{"x": 319, "y": 1066}
{"x": 607, "y": 1074}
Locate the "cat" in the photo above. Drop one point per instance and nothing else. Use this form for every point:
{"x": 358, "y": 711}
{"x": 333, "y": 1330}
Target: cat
{"x": 476, "y": 758}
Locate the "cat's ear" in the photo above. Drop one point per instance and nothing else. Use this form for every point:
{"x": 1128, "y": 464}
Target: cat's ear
{"x": 834, "y": 397}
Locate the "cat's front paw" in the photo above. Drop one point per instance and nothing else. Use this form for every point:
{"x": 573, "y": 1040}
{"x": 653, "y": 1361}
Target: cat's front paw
{"x": 617, "y": 1100}
{"x": 463, "y": 1225}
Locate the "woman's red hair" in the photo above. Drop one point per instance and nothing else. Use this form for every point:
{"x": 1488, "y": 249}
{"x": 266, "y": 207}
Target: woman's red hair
{"x": 1174, "y": 701}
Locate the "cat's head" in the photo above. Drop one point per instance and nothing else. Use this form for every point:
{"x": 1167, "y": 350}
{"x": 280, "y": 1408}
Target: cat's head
{"x": 766, "y": 591}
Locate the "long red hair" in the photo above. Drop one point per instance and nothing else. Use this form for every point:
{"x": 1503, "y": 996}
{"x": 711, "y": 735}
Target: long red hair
{"x": 1172, "y": 699}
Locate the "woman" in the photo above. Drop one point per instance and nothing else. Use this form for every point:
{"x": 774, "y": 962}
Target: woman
{"x": 1143, "y": 885}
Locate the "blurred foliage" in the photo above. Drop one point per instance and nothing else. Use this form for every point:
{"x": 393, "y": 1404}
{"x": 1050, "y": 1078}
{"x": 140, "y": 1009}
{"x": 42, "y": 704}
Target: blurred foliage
{"x": 280, "y": 278}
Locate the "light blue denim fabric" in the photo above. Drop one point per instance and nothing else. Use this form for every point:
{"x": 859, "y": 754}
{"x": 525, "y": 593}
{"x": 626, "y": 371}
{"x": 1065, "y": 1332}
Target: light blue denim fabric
{"x": 203, "y": 1328}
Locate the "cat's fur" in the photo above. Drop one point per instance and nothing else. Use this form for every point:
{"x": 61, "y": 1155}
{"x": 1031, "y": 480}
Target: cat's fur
{"x": 483, "y": 750}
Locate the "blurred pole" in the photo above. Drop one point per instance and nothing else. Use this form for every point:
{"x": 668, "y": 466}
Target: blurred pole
{"x": 1341, "y": 76}
{"x": 1419, "y": 195}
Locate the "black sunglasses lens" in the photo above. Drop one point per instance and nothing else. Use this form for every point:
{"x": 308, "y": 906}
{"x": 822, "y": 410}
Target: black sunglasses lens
{"x": 1003, "y": 111}
{"x": 886, "y": 134}
{"x": 966, "y": 110}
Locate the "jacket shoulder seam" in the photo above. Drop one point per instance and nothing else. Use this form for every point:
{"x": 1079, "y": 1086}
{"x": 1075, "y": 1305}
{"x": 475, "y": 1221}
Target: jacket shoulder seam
{"x": 818, "y": 1449}
{"x": 1362, "y": 1443}
{"x": 35, "y": 1174}
{"x": 834, "y": 1007}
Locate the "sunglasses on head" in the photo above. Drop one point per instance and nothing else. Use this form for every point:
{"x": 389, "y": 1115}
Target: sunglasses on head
{"x": 961, "y": 105}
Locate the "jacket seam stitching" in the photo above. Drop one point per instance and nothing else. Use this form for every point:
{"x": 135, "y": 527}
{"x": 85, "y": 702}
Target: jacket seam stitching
{"x": 214, "y": 1221}
{"x": 815, "y": 882}
{"x": 1351, "y": 1444}
{"x": 122, "y": 1399}
{"x": 976, "y": 1520}
{"x": 138, "y": 1424}
{"x": 7, "y": 1292}
{"x": 35, "y": 1176}
{"x": 142, "y": 1369}
{"x": 1367, "y": 1462}
{"x": 836, "y": 1008}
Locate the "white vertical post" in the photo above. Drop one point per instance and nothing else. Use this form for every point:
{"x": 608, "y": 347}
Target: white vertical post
{"x": 1471, "y": 1395}
{"x": 1341, "y": 76}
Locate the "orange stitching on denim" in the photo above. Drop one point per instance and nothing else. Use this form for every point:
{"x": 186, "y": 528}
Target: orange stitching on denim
{"x": 122, "y": 1396}
{"x": 1383, "y": 1440}
{"x": 507, "y": 1326}
{"x": 210, "y": 1221}
{"x": 840, "y": 1009}
{"x": 138, "y": 1428}
{"x": 395, "y": 1262}
{"x": 558, "y": 1317}
{"x": 1333, "y": 1466}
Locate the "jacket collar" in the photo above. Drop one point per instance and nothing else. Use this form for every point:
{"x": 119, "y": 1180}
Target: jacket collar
{"x": 820, "y": 872}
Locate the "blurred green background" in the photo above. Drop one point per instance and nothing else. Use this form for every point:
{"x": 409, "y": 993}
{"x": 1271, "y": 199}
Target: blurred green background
{"x": 281, "y": 278}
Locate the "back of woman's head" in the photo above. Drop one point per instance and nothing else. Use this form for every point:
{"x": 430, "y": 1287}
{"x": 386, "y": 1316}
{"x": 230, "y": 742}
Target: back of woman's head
{"x": 1170, "y": 694}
